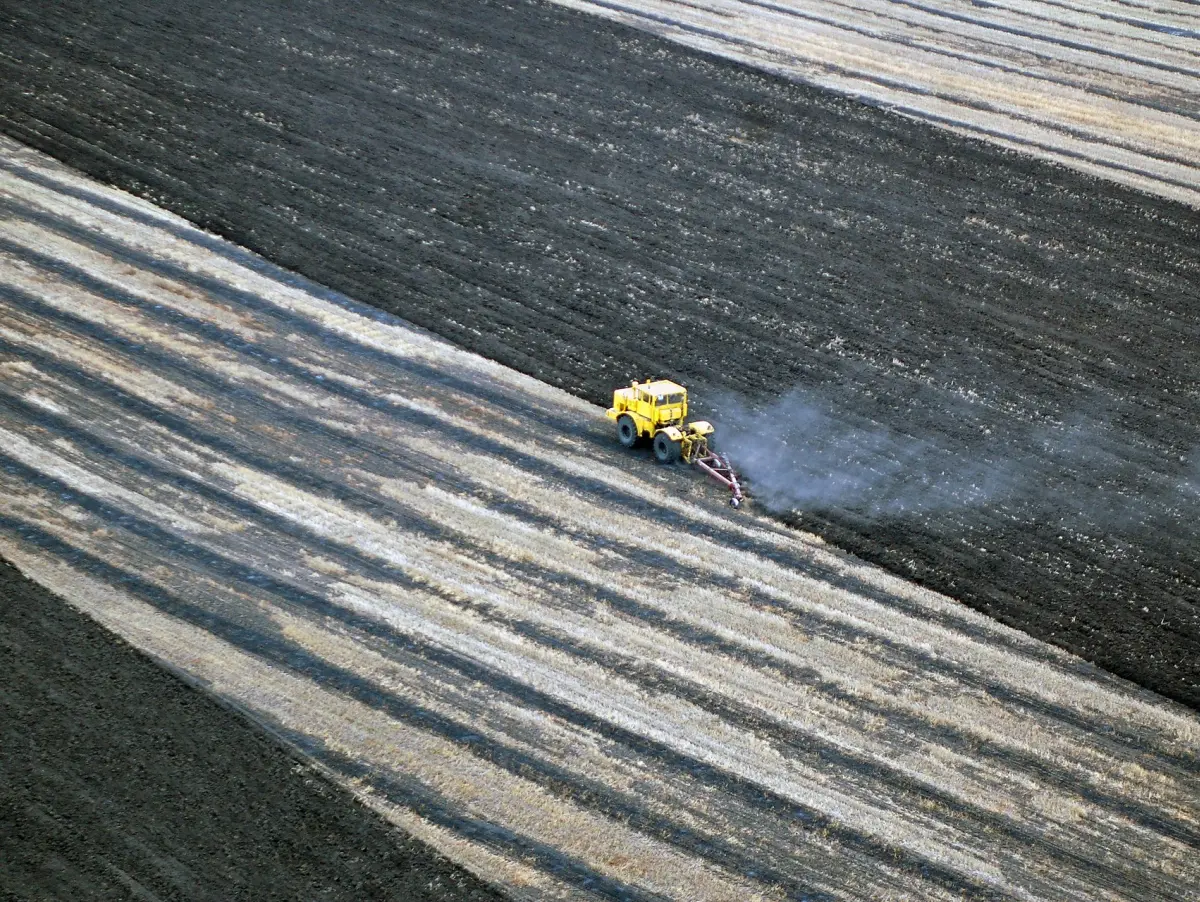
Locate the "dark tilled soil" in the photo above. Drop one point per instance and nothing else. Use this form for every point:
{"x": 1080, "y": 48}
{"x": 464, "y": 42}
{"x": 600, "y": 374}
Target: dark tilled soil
{"x": 586, "y": 203}
{"x": 119, "y": 781}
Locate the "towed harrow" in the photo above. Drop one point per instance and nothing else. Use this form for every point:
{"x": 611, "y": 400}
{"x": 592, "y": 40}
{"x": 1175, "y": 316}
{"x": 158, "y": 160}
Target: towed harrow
{"x": 718, "y": 467}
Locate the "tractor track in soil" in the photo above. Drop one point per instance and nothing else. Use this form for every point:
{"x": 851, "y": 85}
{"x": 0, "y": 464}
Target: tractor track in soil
{"x": 345, "y": 528}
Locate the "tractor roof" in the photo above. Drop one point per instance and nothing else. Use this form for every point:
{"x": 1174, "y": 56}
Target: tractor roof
{"x": 662, "y": 387}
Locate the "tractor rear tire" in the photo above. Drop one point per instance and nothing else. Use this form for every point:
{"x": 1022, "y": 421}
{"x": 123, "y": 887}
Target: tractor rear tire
{"x": 627, "y": 432}
{"x": 665, "y": 450}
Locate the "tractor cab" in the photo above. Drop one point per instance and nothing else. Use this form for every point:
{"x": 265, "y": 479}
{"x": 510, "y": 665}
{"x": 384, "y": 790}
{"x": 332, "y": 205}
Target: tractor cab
{"x": 657, "y": 410}
{"x": 660, "y": 403}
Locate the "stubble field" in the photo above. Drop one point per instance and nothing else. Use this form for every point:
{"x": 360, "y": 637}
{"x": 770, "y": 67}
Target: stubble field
{"x": 571, "y": 671}
{"x": 551, "y": 191}
{"x": 1108, "y": 88}
{"x": 575, "y": 673}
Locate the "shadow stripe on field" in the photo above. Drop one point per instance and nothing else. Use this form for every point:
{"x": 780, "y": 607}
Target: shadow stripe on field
{"x": 1100, "y": 729}
{"x": 395, "y": 364}
{"x": 210, "y": 382}
{"x": 651, "y": 676}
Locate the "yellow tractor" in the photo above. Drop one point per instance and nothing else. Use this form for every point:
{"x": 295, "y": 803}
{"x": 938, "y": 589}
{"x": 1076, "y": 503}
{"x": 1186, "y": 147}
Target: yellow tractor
{"x": 657, "y": 410}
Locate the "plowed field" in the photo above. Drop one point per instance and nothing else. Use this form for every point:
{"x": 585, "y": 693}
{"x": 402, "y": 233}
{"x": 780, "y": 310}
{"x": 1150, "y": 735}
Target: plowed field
{"x": 117, "y": 781}
{"x": 588, "y": 204}
{"x": 578, "y": 674}
{"x": 1107, "y": 87}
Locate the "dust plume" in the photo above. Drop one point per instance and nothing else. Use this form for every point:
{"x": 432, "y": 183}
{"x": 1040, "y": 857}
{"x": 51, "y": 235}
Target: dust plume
{"x": 800, "y": 452}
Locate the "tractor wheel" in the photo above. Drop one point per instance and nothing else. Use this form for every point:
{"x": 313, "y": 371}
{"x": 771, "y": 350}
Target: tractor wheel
{"x": 665, "y": 450}
{"x": 627, "y": 433}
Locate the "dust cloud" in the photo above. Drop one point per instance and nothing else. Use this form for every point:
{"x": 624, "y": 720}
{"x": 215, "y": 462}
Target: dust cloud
{"x": 800, "y": 452}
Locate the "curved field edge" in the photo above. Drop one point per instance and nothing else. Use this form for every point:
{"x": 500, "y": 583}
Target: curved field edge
{"x": 346, "y": 526}
{"x": 218, "y": 809}
{"x": 1099, "y": 88}
{"x": 541, "y": 188}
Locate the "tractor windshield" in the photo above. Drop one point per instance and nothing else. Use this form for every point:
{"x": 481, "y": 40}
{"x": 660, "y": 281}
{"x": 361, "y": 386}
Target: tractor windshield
{"x": 669, "y": 400}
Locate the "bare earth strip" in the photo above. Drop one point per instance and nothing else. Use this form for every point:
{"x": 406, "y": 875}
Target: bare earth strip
{"x": 574, "y": 672}
{"x": 1109, "y": 88}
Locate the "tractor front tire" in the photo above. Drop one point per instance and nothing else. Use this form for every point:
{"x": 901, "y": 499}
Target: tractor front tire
{"x": 665, "y": 450}
{"x": 627, "y": 432}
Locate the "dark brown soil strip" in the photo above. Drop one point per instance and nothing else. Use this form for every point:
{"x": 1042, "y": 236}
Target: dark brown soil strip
{"x": 283, "y": 653}
{"x": 445, "y": 173}
{"x": 117, "y": 780}
{"x": 1104, "y": 732}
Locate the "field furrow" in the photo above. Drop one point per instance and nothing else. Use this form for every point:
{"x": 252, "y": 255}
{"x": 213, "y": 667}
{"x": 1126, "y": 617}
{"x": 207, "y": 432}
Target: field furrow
{"x": 1091, "y": 87}
{"x": 576, "y": 673}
